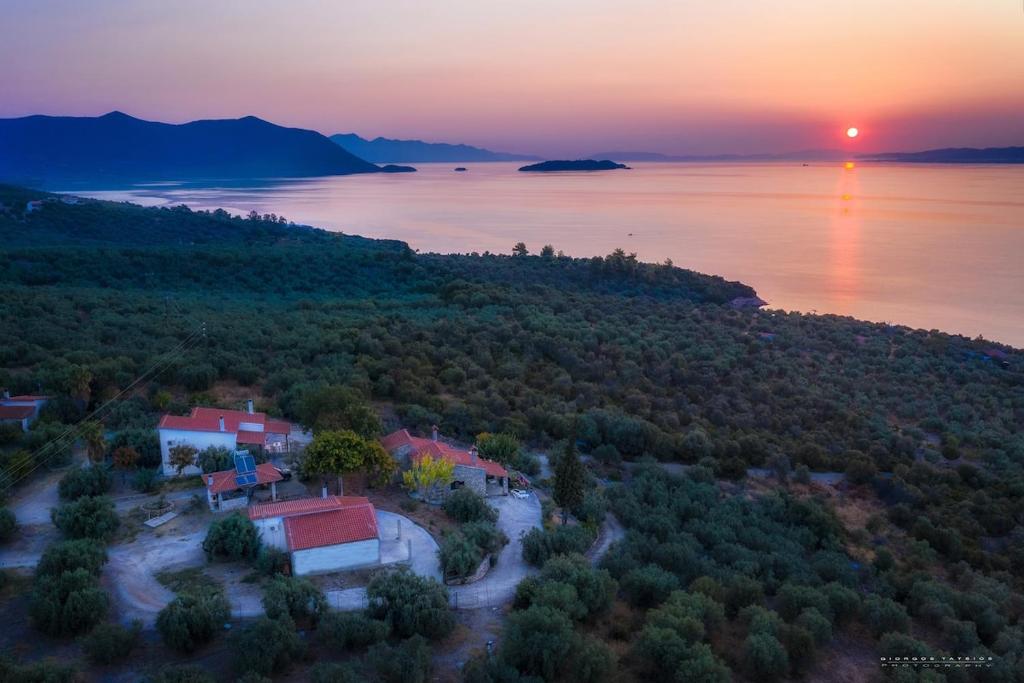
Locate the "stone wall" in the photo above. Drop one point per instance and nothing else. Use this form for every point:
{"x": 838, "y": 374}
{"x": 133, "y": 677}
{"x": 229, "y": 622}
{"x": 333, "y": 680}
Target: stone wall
{"x": 474, "y": 478}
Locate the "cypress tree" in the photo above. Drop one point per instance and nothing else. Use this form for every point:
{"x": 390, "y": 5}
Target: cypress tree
{"x": 569, "y": 479}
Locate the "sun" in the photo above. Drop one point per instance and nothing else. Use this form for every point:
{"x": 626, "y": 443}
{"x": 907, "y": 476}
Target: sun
{"x": 852, "y": 132}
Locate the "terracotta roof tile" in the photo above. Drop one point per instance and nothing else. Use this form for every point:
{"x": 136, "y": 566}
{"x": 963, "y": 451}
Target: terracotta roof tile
{"x": 302, "y": 506}
{"x": 16, "y": 412}
{"x": 331, "y": 527}
{"x": 224, "y": 481}
{"x": 439, "y": 449}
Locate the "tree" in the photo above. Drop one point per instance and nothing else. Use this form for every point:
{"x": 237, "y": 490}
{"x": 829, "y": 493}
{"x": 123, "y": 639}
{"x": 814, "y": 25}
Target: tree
{"x": 428, "y": 475}
{"x": 407, "y": 662}
{"x": 84, "y": 481}
{"x": 109, "y": 643}
{"x": 232, "y": 538}
{"x": 343, "y": 451}
{"x": 458, "y": 555}
{"x": 883, "y": 615}
{"x": 537, "y": 642}
{"x": 350, "y": 630}
{"x": 215, "y": 459}
{"x": 465, "y": 505}
{"x": 765, "y": 657}
{"x": 68, "y": 603}
{"x": 295, "y": 598}
{"x": 499, "y": 447}
{"x": 95, "y": 444}
{"x": 547, "y": 251}
{"x": 339, "y": 407}
{"x": 65, "y": 556}
{"x": 266, "y": 646}
{"x": 8, "y": 525}
{"x": 182, "y": 456}
{"x": 569, "y": 480}
{"x": 87, "y": 517}
{"x": 125, "y": 459}
{"x": 410, "y": 604}
{"x": 520, "y": 249}
{"x": 192, "y": 619}
{"x": 182, "y": 674}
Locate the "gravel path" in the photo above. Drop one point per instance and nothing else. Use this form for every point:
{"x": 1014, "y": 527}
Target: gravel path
{"x": 611, "y": 531}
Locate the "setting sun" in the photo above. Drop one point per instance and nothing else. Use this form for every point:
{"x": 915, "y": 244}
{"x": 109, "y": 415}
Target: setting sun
{"x": 852, "y": 132}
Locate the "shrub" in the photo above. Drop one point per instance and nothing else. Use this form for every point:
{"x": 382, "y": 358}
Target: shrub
{"x": 331, "y": 672}
{"x": 232, "y": 538}
{"x": 594, "y": 588}
{"x": 215, "y": 459}
{"x": 648, "y": 586}
{"x": 350, "y": 630}
{"x": 459, "y": 556}
{"x": 410, "y": 604}
{"x": 146, "y": 443}
{"x": 266, "y": 646}
{"x": 540, "y": 544}
{"x": 146, "y": 480}
{"x": 84, "y": 481}
{"x": 793, "y": 599}
{"x": 87, "y": 517}
{"x": 109, "y": 643}
{"x": 537, "y": 641}
{"x": 883, "y": 615}
{"x": 271, "y": 560}
{"x": 817, "y": 625}
{"x": 191, "y": 620}
{"x": 407, "y": 662}
{"x": 293, "y": 597}
{"x": 765, "y": 658}
{"x": 463, "y": 505}
{"x": 741, "y": 591}
{"x": 69, "y": 603}
{"x": 484, "y": 535}
{"x": 501, "y": 448}
{"x": 66, "y": 556}
{"x": 182, "y": 674}
{"x": 36, "y": 672}
{"x": 8, "y": 525}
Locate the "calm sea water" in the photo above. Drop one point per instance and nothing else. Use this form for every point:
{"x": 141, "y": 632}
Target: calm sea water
{"x": 930, "y": 246}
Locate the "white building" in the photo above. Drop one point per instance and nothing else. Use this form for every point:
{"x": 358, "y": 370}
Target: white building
{"x": 22, "y": 409}
{"x": 322, "y": 535}
{"x": 232, "y": 429}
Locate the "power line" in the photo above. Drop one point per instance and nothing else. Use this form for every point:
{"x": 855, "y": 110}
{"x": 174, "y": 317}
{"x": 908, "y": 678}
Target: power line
{"x": 74, "y": 431}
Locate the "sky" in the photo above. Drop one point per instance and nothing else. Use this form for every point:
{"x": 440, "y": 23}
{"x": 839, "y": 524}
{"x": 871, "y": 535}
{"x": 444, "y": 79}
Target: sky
{"x": 552, "y": 77}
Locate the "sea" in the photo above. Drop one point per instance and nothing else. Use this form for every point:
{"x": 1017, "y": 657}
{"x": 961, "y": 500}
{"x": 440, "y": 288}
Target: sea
{"x": 924, "y": 245}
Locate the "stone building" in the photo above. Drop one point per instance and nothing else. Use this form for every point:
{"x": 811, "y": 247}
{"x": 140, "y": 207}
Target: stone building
{"x": 483, "y": 476}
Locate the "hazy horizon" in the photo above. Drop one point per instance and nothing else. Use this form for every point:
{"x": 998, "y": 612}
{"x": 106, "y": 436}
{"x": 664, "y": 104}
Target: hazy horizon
{"x": 572, "y": 79}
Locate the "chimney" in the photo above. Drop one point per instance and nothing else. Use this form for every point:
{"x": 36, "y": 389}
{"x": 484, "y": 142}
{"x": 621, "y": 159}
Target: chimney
{"x": 433, "y": 435}
{"x": 222, "y": 423}
{"x": 209, "y": 481}
{"x": 472, "y": 455}
{"x": 248, "y": 405}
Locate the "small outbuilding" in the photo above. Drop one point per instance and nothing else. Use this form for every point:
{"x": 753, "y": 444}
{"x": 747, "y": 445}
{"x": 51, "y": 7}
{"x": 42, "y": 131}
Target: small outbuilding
{"x": 322, "y": 535}
{"x": 228, "y": 490}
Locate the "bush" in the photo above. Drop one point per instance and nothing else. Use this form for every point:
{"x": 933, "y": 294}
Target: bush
{"x": 593, "y": 589}
{"x": 648, "y": 586}
{"x": 540, "y": 544}
{"x": 66, "y": 556}
{"x": 350, "y": 631}
{"x": 191, "y": 620}
{"x": 145, "y": 480}
{"x": 407, "y": 662}
{"x": 215, "y": 459}
{"x": 109, "y": 643}
{"x": 463, "y": 505}
{"x": 817, "y": 625}
{"x": 410, "y": 604}
{"x": 146, "y": 443}
{"x": 87, "y": 517}
{"x": 883, "y": 615}
{"x": 85, "y": 481}
{"x": 8, "y": 525}
{"x": 271, "y": 561}
{"x": 36, "y": 672}
{"x": 232, "y": 538}
{"x": 297, "y": 598}
{"x": 484, "y": 535}
{"x": 182, "y": 674}
{"x": 537, "y": 642}
{"x": 266, "y": 646}
{"x": 459, "y": 556}
{"x": 331, "y": 672}
{"x": 765, "y": 657}
{"x": 66, "y": 604}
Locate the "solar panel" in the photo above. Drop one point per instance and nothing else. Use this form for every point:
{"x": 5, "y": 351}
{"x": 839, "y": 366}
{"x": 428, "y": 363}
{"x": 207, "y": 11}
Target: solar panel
{"x": 244, "y": 463}
{"x": 247, "y": 479}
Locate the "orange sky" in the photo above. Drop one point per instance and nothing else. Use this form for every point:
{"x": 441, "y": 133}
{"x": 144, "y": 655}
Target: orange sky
{"x": 551, "y": 77}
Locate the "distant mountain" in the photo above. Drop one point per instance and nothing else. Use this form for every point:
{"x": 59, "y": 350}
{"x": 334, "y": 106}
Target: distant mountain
{"x": 954, "y": 155}
{"x": 380, "y": 150}
{"x": 803, "y": 155}
{"x": 576, "y": 165}
{"x": 47, "y": 150}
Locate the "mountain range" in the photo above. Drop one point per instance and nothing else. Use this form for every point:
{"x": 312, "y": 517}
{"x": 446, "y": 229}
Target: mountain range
{"x": 955, "y": 155}
{"x": 803, "y": 155}
{"x": 380, "y": 150}
{"x": 115, "y": 147}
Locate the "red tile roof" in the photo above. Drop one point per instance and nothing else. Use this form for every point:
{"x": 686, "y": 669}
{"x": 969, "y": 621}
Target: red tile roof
{"x": 303, "y": 506}
{"x": 16, "y": 412}
{"x": 439, "y": 449}
{"x": 333, "y": 527}
{"x": 208, "y": 420}
{"x": 224, "y": 481}
{"x": 27, "y": 397}
{"x": 245, "y": 436}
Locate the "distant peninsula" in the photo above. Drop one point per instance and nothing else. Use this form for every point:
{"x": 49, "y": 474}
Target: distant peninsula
{"x": 380, "y": 150}
{"x": 52, "y": 151}
{"x": 954, "y": 155}
{"x": 801, "y": 155}
{"x": 577, "y": 165}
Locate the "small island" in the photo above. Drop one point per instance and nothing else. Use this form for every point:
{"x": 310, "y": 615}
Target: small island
{"x": 460, "y": 169}
{"x": 577, "y": 165}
